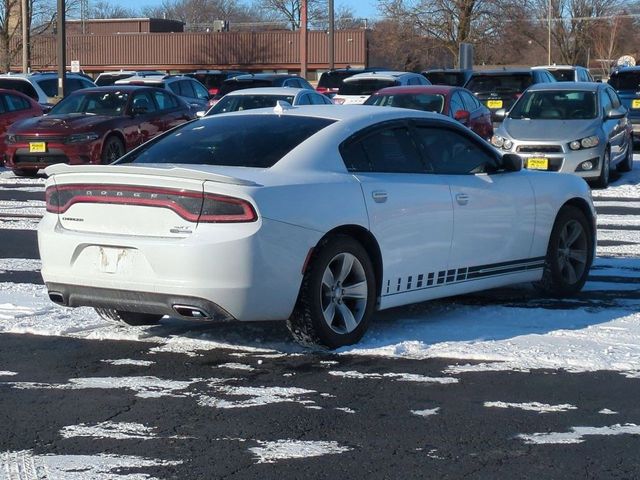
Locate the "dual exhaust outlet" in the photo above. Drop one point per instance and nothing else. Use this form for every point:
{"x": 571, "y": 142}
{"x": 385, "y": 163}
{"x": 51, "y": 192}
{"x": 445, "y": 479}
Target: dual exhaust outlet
{"x": 185, "y": 311}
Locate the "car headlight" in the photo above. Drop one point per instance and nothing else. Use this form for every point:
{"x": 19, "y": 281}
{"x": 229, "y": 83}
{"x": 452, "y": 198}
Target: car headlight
{"x": 11, "y": 138}
{"x": 82, "y": 137}
{"x": 507, "y": 144}
{"x": 587, "y": 142}
{"x": 497, "y": 141}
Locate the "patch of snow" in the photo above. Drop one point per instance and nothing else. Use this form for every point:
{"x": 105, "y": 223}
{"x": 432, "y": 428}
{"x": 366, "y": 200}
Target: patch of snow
{"x": 7, "y": 373}
{"x": 271, "y": 452}
{"x": 606, "y": 411}
{"x": 401, "y": 377}
{"x": 577, "y": 434}
{"x": 144, "y": 387}
{"x": 237, "y": 366}
{"x": 427, "y": 412}
{"x": 129, "y": 361}
{"x": 533, "y": 406}
{"x": 345, "y": 409}
{"x": 18, "y": 223}
{"x": 29, "y": 207}
{"x": 115, "y": 430}
{"x": 19, "y": 265}
{"x": 257, "y": 396}
{"x": 25, "y": 465}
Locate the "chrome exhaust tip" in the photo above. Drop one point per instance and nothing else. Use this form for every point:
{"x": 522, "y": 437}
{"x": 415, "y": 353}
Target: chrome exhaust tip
{"x": 57, "y": 297}
{"x": 189, "y": 311}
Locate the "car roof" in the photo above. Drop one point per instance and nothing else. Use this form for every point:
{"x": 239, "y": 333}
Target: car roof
{"x": 510, "y": 71}
{"x": 262, "y": 76}
{"x": 270, "y": 91}
{"x": 625, "y": 69}
{"x": 579, "y": 86}
{"x": 113, "y": 88}
{"x": 556, "y": 67}
{"x": 448, "y": 70}
{"x": 28, "y": 76}
{"x": 384, "y": 74}
{"x": 409, "y": 89}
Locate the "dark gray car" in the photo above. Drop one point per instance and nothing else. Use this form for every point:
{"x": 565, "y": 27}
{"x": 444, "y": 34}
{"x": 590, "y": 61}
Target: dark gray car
{"x": 573, "y": 127}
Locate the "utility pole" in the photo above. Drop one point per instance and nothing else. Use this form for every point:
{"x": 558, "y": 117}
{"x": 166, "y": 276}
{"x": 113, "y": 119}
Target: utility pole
{"x": 549, "y": 39}
{"x": 25, "y": 38}
{"x": 303, "y": 38}
{"x": 332, "y": 62}
{"x": 62, "y": 49}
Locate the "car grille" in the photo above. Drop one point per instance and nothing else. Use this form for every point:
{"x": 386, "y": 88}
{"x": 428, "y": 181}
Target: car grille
{"x": 40, "y": 138}
{"x": 539, "y": 149}
{"x": 40, "y": 159}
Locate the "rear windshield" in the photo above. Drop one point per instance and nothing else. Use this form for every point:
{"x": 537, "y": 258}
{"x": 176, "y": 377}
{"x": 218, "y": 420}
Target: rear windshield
{"x": 21, "y": 86}
{"x": 555, "y": 105}
{"x": 508, "y": 83}
{"x": 427, "y": 102}
{"x": 334, "y": 79}
{"x": 108, "y": 79}
{"x": 455, "y": 79}
{"x": 232, "y": 86}
{"x": 365, "y": 86}
{"x": 625, "y": 81}
{"x": 240, "y": 141}
{"x": 564, "y": 75}
{"x": 209, "y": 80}
{"x": 234, "y": 103}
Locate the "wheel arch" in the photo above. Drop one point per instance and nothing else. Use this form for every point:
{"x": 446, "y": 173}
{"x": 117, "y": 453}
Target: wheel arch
{"x": 582, "y": 205}
{"x": 370, "y": 244}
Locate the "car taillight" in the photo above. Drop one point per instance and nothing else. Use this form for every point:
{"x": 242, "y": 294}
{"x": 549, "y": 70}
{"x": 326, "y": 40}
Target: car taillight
{"x": 338, "y": 101}
{"x": 213, "y": 91}
{"x": 321, "y": 89}
{"x": 190, "y": 205}
{"x": 223, "y": 209}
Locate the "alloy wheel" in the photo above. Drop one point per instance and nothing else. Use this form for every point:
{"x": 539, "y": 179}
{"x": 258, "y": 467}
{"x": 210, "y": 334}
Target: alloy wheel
{"x": 572, "y": 252}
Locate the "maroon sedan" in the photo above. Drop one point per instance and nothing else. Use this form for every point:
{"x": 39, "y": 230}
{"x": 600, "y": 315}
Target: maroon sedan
{"x": 455, "y": 102}
{"x": 15, "y": 106}
{"x": 93, "y": 125}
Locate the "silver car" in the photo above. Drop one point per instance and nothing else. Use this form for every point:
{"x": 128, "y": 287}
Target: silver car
{"x": 572, "y": 127}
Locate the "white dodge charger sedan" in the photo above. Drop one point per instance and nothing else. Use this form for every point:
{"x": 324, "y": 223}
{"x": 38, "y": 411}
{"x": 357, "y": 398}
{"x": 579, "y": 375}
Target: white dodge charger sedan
{"x": 314, "y": 215}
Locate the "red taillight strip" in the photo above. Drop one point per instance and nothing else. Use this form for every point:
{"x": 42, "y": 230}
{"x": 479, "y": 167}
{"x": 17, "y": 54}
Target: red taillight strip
{"x": 107, "y": 197}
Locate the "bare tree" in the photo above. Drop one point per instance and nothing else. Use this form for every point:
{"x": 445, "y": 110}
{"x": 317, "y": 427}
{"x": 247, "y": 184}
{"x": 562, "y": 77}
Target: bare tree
{"x": 199, "y": 14}
{"x": 9, "y": 26}
{"x": 105, "y": 9}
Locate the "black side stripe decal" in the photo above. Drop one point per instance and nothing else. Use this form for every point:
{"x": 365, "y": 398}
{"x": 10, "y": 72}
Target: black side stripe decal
{"x": 460, "y": 275}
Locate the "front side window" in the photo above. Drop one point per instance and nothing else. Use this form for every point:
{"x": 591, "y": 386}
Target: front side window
{"x": 605, "y": 102}
{"x": 388, "y": 150}
{"x": 143, "y": 103}
{"x": 239, "y": 141}
{"x": 452, "y": 153}
{"x": 555, "y": 105}
{"x": 456, "y": 104}
{"x": 200, "y": 91}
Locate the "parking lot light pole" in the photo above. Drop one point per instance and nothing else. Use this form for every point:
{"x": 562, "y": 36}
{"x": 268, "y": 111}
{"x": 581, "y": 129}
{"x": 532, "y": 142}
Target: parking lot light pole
{"x": 549, "y": 39}
{"x": 25, "y": 38}
{"x": 303, "y": 39}
{"x": 62, "y": 49}
{"x": 331, "y": 36}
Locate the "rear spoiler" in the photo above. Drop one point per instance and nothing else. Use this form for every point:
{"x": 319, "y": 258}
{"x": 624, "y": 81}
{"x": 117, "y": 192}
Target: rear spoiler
{"x": 156, "y": 171}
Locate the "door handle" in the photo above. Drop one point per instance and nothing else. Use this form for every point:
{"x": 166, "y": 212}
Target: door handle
{"x": 379, "y": 196}
{"x": 462, "y": 198}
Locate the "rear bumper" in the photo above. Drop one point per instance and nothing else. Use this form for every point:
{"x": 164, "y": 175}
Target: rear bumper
{"x": 143, "y": 302}
{"x": 248, "y": 271}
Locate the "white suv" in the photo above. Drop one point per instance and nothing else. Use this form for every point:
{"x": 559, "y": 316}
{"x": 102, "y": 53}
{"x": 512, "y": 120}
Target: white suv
{"x": 189, "y": 89}
{"x": 357, "y": 88}
{"x": 43, "y": 87}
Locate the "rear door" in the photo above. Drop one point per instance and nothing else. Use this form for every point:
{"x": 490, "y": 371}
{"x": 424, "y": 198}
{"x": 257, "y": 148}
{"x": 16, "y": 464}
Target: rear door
{"x": 410, "y": 211}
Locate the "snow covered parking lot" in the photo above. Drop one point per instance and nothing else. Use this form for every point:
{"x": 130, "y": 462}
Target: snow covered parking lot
{"x": 519, "y": 371}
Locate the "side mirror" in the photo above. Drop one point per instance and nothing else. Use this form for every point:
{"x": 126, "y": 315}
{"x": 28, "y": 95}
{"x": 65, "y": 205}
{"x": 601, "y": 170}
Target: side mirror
{"x": 501, "y": 114}
{"x": 616, "y": 113}
{"x": 462, "y": 116}
{"x": 511, "y": 162}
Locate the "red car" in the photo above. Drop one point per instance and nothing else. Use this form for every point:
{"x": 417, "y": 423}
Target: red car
{"x": 455, "y": 102}
{"x": 15, "y": 106}
{"x": 93, "y": 125}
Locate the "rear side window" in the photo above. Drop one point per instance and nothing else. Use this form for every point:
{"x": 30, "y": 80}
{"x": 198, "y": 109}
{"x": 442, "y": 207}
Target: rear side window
{"x": 49, "y": 86}
{"x": 15, "y": 103}
{"x": 565, "y": 75}
{"x": 365, "y": 86}
{"x": 240, "y": 141}
{"x": 446, "y": 78}
{"x": 21, "y": 86}
{"x": 388, "y": 150}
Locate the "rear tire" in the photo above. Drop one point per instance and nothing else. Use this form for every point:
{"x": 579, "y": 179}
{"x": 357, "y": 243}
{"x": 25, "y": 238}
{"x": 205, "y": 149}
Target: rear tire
{"x": 627, "y": 164}
{"x": 337, "y": 296}
{"x": 130, "y": 318}
{"x": 112, "y": 150}
{"x": 569, "y": 254}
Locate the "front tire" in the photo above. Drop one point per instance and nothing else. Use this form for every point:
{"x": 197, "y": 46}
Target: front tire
{"x": 605, "y": 171}
{"x": 569, "y": 254}
{"x": 337, "y": 296}
{"x": 130, "y": 318}
{"x": 112, "y": 150}
{"x": 627, "y": 164}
